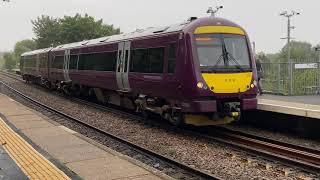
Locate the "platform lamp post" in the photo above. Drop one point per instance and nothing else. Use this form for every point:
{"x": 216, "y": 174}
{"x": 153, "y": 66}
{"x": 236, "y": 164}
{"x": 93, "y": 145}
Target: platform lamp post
{"x": 317, "y": 49}
{"x": 290, "y": 68}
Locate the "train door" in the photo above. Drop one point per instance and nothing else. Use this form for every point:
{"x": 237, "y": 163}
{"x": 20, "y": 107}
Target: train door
{"x": 66, "y": 61}
{"x": 123, "y": 61}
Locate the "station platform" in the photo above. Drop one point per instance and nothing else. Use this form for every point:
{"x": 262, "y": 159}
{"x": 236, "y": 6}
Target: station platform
{"x": 35, "y": 147}
{"x": 304, "y": 106}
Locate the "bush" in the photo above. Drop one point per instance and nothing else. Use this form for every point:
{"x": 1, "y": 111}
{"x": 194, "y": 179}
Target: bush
{"x": 9, "y": 61}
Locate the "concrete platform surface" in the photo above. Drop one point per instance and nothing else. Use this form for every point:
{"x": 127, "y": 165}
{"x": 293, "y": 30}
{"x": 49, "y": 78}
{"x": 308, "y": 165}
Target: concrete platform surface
{"x": 305, "y": 106}
{"x": 73, "y": 152}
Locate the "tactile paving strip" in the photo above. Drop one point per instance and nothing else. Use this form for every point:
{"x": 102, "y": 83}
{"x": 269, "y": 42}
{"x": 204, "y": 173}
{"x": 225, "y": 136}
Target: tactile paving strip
{"x": 32, "y": 163}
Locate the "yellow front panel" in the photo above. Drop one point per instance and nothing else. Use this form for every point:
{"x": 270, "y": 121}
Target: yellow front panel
{"x": 219, "y": 29}
{"x": 228, "y": 82}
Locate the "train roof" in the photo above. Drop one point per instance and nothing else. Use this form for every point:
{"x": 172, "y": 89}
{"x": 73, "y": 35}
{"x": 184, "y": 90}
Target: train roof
{"x": 135, "y": 34}
{"x": 184, "y": 26}
{"x": 38, "y": 51}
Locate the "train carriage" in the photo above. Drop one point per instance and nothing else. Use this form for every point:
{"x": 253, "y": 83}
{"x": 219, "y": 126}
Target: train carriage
{"x": 34, "y": 65}
{"x": 199, "y": 72}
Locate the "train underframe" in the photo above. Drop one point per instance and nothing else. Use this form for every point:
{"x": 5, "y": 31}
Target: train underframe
{"x": 215, "y": 113}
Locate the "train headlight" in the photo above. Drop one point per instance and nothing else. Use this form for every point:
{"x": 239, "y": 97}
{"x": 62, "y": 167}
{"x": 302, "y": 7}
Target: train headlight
{"x": 200, "y": 85}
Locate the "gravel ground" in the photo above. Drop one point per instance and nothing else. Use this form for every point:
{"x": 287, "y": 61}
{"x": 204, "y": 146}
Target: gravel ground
{"x": 210, "y": 157}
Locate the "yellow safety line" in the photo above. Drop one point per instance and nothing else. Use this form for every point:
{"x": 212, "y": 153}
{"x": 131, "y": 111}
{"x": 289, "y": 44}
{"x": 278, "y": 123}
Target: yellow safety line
{"x": 32, "y": 163}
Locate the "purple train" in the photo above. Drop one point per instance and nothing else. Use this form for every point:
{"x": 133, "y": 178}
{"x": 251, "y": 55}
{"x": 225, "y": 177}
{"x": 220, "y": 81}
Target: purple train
{"x": 200, "y": 72}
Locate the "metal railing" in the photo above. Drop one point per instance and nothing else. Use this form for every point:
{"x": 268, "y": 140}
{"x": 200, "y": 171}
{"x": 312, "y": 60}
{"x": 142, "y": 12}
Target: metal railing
{"x": 305, "y": 77}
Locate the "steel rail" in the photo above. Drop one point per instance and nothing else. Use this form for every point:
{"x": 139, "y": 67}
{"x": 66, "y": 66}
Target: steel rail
{"x": 169, "y": 160}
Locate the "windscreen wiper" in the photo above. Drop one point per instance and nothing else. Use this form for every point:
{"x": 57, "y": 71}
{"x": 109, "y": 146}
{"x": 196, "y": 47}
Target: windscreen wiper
{"x": 235, "y": 61}
{"x": 228, "y": 57}
{"x": 225, "y": 56}
{"x": 219, "y": 60}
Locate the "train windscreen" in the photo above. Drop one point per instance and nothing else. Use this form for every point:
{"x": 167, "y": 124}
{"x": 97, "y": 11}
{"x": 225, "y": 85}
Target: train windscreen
{"x": 222, "y": 52}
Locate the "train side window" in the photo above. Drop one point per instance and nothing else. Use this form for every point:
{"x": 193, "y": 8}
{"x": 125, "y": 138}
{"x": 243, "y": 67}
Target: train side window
{"x": 25, "y": 61}
{"x": 131, "y": 61}
{"x": 126, "y": 61}
{"x": 42, "y": 61}
{"x": 156, "y": 56}
{"x": 32, "y": 61}
{"x": 28, "y": 61}
{"x": 73, "y": 62}
{"x": 81, "y": 63}
{"x": 139, "y": 60}
{"x": 110, "y": 61}
{"x": 86, "y": 62}
{"x": 172, "y": 57}
{"x": 58, "y": 62}
{"x": 119, "y": 59}
{"x": 98, "y": 62}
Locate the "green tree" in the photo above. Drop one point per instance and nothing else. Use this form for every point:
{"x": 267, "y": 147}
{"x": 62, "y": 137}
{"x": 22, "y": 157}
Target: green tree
{"x": 299, "y": 51}
{"x": 1, "y": 60}
{"x": 24, "y": 46}
{"x": 9, "y": 60}
{"x": 52, "y": 32}
{"x": 262, "y": 57}
{"x": 78, "y": 28}
{"x": 46, "y": 30}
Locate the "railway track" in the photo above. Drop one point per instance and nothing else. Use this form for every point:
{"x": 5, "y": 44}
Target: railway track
{"x": 11, "y": 75}
{"x": 292, "y": 155}
{"x": 174, "y": 168}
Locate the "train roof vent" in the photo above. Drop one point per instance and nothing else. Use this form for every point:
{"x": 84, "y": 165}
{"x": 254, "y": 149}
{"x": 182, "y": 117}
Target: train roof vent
{"x": 192, "y": 18}
{"x": 185, "y": 23}
{"x": 139, "y": 30}
{"x": 161, "y": 29}
{"x": 104, "y": 40}
{"x": 85, "y": 43}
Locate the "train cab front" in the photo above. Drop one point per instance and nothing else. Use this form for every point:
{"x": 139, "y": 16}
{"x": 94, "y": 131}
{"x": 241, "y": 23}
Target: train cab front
{"x": 226, "y": 74}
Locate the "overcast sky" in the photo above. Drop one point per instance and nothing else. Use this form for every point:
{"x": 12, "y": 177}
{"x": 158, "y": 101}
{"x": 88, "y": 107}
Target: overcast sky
{"x": 260, "y": 18}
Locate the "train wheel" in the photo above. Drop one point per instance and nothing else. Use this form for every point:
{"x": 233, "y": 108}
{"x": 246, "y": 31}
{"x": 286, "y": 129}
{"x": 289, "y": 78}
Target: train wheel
{"x": 175, "y": 119}
{"x": 75, "y": 90}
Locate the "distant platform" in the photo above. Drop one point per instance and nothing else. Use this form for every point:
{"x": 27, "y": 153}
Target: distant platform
{"x": 305, "y": 106}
